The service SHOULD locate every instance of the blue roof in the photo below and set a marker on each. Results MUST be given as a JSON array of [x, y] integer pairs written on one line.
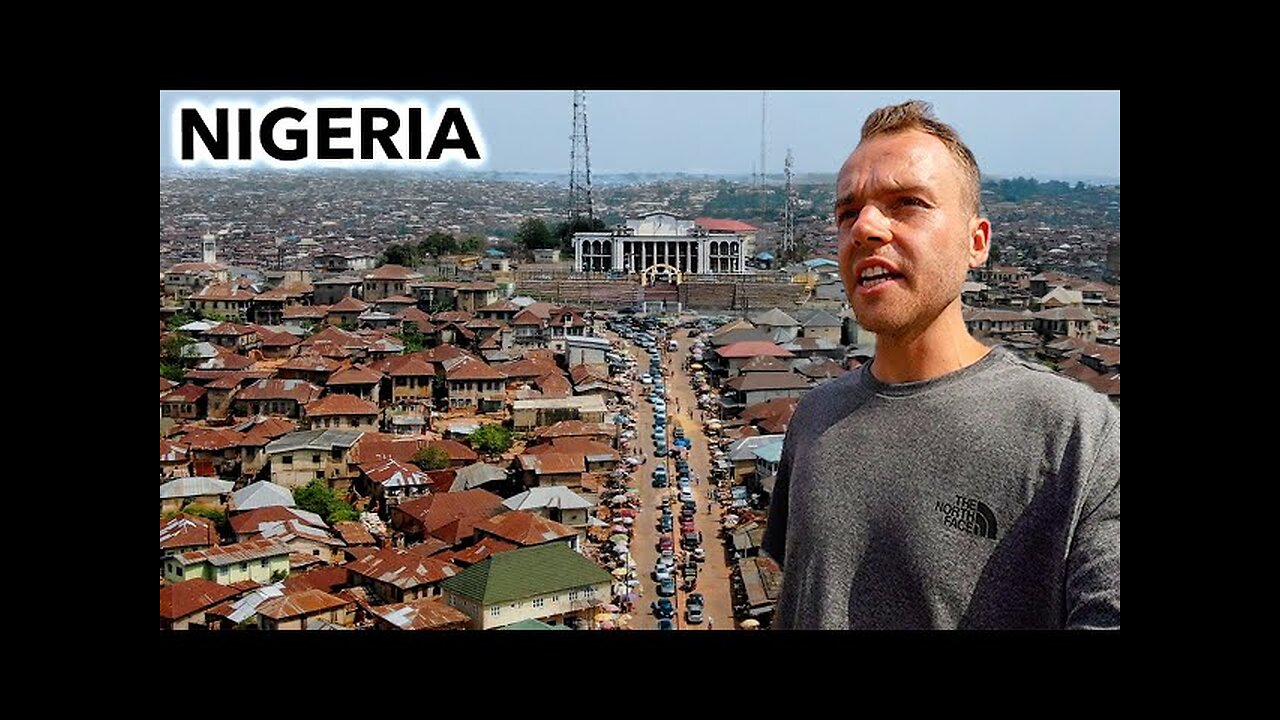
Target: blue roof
[[820, 261], [770, 453], [764, 256], [494, 252]]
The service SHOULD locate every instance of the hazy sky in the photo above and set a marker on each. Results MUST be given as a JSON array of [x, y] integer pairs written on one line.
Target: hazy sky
[[1049, 135]]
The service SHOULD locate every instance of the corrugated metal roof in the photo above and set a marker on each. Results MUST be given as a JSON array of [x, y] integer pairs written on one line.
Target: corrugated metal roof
[[260, 495], [231, 554], [554, 497], [195, 486], [526, 573], [315, 440]]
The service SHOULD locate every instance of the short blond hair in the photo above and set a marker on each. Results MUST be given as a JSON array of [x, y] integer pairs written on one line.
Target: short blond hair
[[918, 115]]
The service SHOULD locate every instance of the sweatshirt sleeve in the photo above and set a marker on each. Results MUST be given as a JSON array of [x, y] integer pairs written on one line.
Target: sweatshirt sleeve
[[1093, 560], [774, 543]]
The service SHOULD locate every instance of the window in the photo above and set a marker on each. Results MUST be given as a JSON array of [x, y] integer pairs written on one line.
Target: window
[[336, 454], [315, 552], [315, 458], [319, 474], [262, 562], [288, 459], [539, 602], [493, 611]]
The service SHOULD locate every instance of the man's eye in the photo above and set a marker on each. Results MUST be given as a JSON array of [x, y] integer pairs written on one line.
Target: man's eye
[[848, 216], [908, 200]]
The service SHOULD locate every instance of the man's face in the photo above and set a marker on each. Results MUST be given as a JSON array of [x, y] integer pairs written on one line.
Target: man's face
[[907, 232]]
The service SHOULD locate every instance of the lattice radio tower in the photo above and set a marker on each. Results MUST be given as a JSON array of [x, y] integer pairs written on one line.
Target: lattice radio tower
[[789, 216], [580, 161]]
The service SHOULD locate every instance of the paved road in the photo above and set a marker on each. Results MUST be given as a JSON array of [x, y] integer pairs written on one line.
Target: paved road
[[713, 577]]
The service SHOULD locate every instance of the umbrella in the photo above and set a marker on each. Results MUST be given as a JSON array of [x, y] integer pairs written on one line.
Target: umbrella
[[630, 597], [620, 528], [633, 583], [695, 366], [606, 625], [627, 520], [618, 538], [610, 608], [749, 624], [620, 549], [620, 572], [627, 512], [624, 619]]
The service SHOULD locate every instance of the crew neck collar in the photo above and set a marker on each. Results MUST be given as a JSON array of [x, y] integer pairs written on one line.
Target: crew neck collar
[[914, 387]]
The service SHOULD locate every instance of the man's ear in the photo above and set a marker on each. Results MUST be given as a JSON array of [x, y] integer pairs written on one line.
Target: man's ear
[[979, 241]]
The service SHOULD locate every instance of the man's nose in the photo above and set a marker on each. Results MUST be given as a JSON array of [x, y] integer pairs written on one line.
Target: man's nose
[[871, 226]]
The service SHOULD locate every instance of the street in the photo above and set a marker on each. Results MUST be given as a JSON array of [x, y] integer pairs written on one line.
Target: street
[[713, 575]]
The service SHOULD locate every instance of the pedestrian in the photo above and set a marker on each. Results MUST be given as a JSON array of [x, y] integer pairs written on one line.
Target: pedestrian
[[710, 623]]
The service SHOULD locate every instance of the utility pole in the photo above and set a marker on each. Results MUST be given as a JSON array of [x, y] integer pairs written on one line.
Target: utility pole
[[788, 217], [579, 162]]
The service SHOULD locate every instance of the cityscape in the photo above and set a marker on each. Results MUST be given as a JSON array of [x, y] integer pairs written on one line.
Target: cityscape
[[406, 401]]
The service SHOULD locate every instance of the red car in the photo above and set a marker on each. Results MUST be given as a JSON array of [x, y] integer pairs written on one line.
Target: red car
[[666, 543]]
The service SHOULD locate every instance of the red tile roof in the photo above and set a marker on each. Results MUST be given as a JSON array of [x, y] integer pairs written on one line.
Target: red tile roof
[[189, 596], [456, 450], [402, 568], [471, 369], [166, 384], [406, 366], [185, 530], [574, 446], [341, 405], [217, 439], [772, 416], [248, 523], [271, 427], [305, 312], [393, 272], [277, 389], [752, 348], [435, 512], [355, 375], [306, 602], [527, 317], [329, 579], [311, 363], [196, 267], [487, 546], [553, 463], [762, 363], [719, 225], [421, 614], [240, 552], [461, 317], [223, 291], [349, 304], [228, 329], [186, 394], [768, 381], [554, 385], [528, 368], [374, 446], [525, 528]]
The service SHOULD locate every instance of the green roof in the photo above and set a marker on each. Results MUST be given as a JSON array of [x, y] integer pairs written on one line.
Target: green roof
[[533, 625], [525, 573]]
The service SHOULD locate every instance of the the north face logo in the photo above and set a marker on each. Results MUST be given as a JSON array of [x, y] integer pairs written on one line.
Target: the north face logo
[[969, 515]]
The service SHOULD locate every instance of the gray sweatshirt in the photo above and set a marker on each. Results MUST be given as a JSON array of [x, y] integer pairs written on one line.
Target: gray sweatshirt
[[985, 498]]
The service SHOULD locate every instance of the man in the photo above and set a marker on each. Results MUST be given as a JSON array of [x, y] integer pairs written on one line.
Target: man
[[943, 484]]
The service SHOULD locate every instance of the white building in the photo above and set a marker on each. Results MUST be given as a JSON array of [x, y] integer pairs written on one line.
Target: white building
[[659, 238]]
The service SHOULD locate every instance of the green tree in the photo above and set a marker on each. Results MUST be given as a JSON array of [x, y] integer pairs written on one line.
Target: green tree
[[534, 235], [179, 319], [412, 338], [491, 439], [171, 360], [398, 255], [430, 457], [437, 244], [564, 231], [316, 497], [473, 244]]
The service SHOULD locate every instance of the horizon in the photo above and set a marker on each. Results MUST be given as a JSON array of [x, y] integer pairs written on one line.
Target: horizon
[[1048, 135]]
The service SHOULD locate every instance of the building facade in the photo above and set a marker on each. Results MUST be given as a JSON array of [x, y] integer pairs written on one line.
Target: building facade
[[659, 239]]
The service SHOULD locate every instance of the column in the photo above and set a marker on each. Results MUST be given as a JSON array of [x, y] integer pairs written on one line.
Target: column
[[577, 254], [617, 253]]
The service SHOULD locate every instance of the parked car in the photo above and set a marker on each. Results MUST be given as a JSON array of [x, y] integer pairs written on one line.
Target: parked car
[[698, 554], [664, 523], [693, 614], [665, 624], [666, 542], [667, 588], [663, 608]]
